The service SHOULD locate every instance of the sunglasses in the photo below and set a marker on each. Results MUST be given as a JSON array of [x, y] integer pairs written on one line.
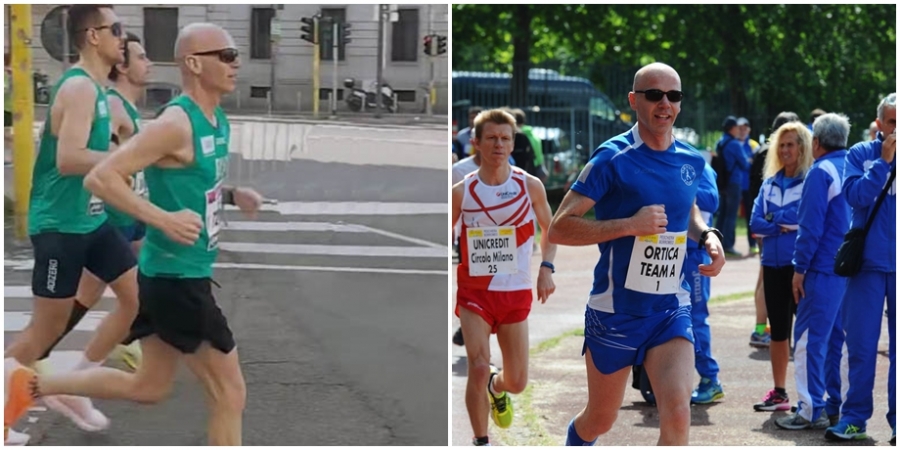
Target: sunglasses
[[114, 29], [655, 95], [226, 55]]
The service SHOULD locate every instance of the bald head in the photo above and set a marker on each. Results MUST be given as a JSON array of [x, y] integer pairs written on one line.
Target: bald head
[[652, 72], [201, 37]]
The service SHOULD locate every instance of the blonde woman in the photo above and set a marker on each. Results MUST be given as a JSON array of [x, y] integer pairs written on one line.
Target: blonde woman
[[774, 219]]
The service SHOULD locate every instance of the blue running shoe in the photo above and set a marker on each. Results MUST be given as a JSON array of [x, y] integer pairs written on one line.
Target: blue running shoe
[[761, 340], [707, 392], [845, 432]]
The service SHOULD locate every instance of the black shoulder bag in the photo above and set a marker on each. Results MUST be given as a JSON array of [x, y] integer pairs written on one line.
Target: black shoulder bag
[[849, 258]]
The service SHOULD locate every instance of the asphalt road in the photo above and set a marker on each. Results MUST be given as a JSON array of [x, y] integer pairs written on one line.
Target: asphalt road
[[337, 299]]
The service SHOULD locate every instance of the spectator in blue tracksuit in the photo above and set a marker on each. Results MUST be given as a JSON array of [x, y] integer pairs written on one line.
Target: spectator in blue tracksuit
[[738, 168], [824, 217], [774, 218], [866, 172], [709, 389]]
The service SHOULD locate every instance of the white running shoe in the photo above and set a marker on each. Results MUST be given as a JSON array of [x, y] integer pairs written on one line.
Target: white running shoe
[[79, 410], [13, 437]]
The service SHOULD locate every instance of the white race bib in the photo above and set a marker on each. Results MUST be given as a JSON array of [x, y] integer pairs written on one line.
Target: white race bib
[[139, 184], [213, 215], [656, 261], [95, 206], [492, 251]]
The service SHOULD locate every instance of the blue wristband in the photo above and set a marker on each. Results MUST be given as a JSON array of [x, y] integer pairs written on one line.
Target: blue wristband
[[548, 265]]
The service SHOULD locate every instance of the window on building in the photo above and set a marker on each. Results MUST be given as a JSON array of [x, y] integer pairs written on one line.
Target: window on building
[[325, 94], [259, 91], [326, 42], [261, 33], [406, 96], [405, 42], [160, 31]]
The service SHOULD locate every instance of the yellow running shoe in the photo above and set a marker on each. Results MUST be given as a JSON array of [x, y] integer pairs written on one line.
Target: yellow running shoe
[[501, 407], [130, 355]]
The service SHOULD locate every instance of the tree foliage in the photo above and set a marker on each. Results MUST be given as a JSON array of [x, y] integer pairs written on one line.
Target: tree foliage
[[776, 57]]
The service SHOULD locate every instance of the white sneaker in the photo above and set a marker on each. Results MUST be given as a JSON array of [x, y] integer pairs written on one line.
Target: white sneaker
[[13, 437], [79, 410]]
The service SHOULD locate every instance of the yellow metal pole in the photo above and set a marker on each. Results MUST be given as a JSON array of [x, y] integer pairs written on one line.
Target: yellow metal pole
[[23, 114], [316, 57]]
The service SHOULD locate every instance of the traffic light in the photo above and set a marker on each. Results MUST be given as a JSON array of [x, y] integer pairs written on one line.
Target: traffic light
[[428, 44], [344, 33], [308, 31], [442, 45]]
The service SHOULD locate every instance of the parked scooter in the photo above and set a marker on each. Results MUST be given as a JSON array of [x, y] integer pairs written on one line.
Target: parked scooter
[[365, 99]]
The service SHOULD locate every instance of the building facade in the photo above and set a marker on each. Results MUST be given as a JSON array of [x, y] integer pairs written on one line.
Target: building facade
[[276, 62]]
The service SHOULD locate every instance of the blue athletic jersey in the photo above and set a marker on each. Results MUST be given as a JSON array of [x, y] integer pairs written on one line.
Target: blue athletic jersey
[[779, 196], [865, 174], [708, 202], [823, 215], [622, 176]]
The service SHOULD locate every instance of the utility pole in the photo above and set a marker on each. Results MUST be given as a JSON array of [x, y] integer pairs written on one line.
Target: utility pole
[[309, 32], [334, 57], [429, 106], [274, 37], [23, 114], [382, 13]]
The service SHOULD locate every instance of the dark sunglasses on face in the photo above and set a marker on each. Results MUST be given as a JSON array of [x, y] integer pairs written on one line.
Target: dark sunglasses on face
[[114, 29], [655, 95], [226, 55]]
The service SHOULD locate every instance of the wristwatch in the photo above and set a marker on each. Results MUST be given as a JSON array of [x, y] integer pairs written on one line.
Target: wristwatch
[[706, 233], [548, 265]]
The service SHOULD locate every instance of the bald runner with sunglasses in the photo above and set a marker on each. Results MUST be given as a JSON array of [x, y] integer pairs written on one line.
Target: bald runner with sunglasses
[[642, 186], [184, 155], [67, 225]]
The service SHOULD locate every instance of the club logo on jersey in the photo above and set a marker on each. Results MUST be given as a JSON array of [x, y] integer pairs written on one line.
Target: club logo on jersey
[[688, 174], [208, 144], [102, 110], [506, 195]]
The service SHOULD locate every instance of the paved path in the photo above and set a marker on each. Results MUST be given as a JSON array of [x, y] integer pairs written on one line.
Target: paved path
[[557, 374]]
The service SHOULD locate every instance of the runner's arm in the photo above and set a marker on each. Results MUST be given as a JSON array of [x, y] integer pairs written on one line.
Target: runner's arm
[[696, 227], [569, 227], [167, 137], [544, 215], [76, 97], [120, 122], [456, 204]]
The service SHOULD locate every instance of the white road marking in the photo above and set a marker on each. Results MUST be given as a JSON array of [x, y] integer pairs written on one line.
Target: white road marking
[[401, 237], [334, 250], [324, 226], [15, 321], [353, 208], [330, 269], [295, 226]]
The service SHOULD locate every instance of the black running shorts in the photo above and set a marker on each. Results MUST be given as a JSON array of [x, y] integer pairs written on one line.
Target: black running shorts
[[182, 312], [60, 257], [780, 306]]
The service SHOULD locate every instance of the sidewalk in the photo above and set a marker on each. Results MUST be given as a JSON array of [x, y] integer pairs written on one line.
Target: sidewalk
[[557, 386]]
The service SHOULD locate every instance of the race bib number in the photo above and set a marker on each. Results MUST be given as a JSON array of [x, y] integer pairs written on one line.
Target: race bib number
[[656, 261], [492, 251], [139, 184], [95, 206], [213, 215]]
